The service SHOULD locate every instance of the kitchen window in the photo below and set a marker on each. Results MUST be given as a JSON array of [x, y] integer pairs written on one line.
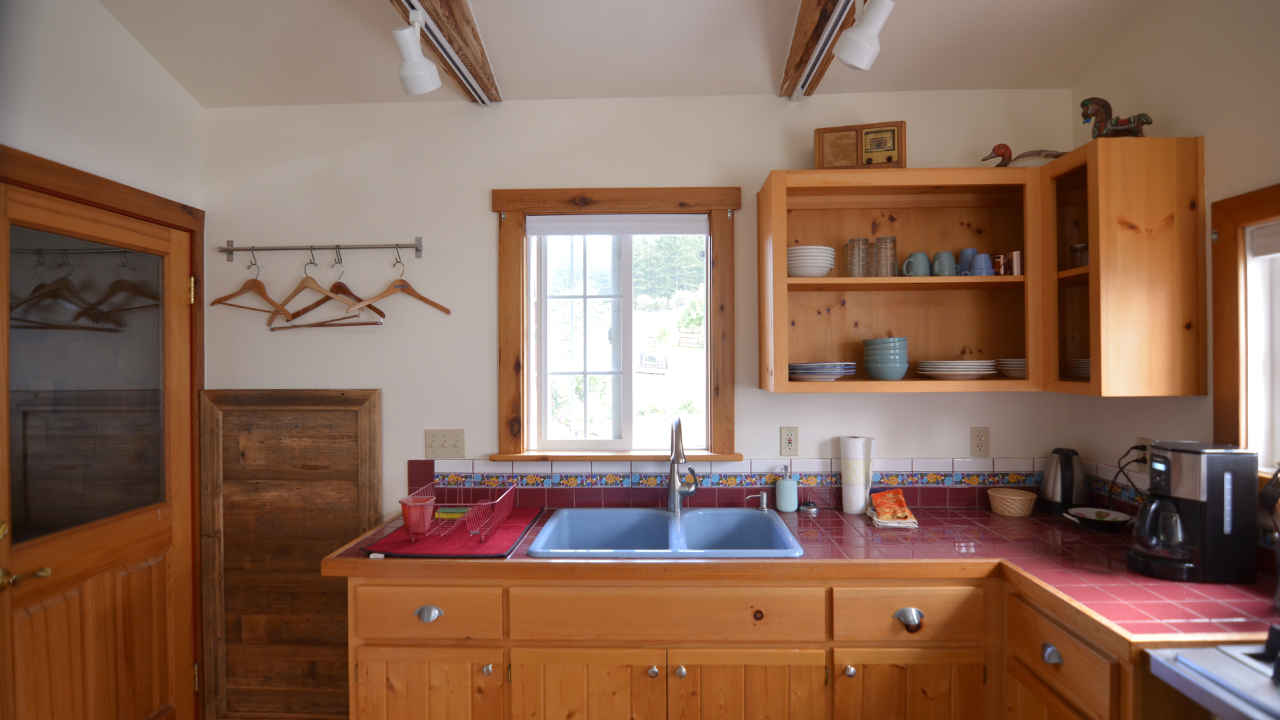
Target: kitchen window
[[615, 316], [1263, 316], [618, 307]]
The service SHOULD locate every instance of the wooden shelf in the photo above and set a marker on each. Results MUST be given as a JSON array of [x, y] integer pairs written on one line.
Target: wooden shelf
[[1079, 272], [902, 283], [908, 385]]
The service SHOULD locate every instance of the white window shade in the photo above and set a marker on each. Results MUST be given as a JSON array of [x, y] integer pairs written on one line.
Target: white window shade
[[1264, 240], [690, 224]]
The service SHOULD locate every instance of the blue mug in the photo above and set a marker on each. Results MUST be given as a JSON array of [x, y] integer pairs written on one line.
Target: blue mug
[[967, 255], [981, 266], [944, 264], [916, 265]]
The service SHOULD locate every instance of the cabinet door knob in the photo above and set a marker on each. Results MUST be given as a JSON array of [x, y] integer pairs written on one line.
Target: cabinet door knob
[[428, 613], [12, 580], [850, 671], [487, 669], [681, 672], [911, 618], [1050, 655], [653, 671]]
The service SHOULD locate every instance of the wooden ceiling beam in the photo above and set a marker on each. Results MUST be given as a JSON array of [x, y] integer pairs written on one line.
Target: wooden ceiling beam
[[457, 28], [810, 23]]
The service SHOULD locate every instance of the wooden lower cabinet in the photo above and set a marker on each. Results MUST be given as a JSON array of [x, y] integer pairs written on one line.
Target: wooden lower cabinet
[[588, 684], [742, 684], [424, 683], [909, 684], [1028, 698]]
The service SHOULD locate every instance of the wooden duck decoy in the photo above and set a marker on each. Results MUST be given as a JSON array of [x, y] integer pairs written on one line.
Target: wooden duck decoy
[[1030, 158], [1099, 111]]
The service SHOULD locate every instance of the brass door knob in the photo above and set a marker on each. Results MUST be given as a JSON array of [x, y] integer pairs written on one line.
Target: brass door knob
[[6, 579]]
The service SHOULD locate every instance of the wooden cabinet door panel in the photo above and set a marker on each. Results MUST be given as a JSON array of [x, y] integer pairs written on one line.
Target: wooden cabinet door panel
[[743, 684], [404, 683], [1091, 680], [1029, 698], [588, 684], [909, 684]]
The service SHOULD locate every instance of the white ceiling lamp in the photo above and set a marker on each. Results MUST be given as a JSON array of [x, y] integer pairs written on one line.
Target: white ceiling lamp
[[859, 45], [418, 74]]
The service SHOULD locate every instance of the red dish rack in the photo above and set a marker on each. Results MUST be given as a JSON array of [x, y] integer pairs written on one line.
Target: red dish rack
[[481, 518]]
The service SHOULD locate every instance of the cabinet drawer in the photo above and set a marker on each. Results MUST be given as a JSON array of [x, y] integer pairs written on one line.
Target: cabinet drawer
[[1085, 677], [660, 614], [950, 613], [391, 612]]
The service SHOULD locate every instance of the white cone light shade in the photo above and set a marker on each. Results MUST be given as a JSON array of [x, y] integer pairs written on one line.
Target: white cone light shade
[[859, 45], [418, 74]]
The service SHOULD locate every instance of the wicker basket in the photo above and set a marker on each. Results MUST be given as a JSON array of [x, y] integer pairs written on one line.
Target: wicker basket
[[1011, 503]]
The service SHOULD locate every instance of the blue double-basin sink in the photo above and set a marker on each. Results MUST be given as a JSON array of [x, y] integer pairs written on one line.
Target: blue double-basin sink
[[657, 534]]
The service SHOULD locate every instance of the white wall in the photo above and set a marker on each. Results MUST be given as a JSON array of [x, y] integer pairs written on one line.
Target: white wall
[[77, 88], [388, 173]]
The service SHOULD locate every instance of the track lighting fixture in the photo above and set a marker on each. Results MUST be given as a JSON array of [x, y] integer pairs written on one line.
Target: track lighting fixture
[[859, 45], [418, 74]]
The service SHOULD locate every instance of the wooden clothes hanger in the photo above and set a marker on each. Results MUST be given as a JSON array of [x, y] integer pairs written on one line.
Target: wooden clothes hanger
[[330, 323], [255, 286], [399, 285], [119, 286], [63, 291], [308, 283]]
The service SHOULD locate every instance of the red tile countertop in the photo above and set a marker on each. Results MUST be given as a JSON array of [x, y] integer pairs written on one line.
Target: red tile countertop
[[1084, 565]]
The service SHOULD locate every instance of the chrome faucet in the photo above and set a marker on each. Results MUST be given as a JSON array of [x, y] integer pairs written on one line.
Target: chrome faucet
[[677, 488]]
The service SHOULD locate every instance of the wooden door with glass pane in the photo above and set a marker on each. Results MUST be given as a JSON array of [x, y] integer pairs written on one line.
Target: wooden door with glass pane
[[95, 466]]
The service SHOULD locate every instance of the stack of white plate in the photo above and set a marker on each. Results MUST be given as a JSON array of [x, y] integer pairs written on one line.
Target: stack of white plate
[[810, 260], [1080, 368], [1013, 368], [820, 372], [956, 369]]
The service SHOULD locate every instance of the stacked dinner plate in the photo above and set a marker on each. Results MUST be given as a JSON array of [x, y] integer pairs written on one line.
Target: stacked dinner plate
[[1013, 368], [820, 372], [1080, 368], [956, 369], [810, 260]]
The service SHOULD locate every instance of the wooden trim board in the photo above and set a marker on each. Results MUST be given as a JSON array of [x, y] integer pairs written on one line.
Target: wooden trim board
[[592, 201]]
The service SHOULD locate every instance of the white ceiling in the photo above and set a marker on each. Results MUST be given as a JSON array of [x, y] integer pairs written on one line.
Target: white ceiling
[[231, 53]]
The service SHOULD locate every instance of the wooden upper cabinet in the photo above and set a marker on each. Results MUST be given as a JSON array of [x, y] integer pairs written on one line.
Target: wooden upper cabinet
[[1132, 320], [994, 210]]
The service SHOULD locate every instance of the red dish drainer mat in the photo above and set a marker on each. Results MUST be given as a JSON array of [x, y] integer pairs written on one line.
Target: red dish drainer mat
[[481, 518]]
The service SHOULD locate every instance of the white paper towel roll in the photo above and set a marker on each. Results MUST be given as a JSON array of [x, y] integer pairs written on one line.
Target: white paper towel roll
[[855, 472]]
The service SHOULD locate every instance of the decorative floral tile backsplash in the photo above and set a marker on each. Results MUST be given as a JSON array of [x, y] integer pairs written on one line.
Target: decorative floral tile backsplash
[[730, 480]]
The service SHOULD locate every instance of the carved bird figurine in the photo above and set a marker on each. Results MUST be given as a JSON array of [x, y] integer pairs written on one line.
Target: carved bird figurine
[[1030, 158]]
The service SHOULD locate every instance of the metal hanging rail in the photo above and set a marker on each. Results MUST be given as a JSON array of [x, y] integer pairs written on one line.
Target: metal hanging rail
[[231, 248]]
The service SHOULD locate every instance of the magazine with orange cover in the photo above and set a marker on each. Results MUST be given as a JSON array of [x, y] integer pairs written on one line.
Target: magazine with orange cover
[[890, 506]]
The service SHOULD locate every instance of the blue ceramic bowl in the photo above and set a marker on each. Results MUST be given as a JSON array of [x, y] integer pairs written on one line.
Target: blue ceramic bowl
[[877, 342], [886, 372]]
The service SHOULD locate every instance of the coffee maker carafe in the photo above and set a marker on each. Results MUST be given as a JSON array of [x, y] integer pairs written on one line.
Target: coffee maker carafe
[[1199, 521]]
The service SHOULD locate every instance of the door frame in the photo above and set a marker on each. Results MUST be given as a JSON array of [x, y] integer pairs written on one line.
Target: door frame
[[32, 172]]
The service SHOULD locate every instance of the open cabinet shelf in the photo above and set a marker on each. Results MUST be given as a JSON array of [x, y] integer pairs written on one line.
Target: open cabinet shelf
[[943, 318]]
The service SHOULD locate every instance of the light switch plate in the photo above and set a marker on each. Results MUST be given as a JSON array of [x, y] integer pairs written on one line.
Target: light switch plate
[[446, 444], [979, 442], [789, 441]]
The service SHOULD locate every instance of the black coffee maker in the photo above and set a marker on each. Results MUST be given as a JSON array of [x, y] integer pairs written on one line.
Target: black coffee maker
[[1199, 522]]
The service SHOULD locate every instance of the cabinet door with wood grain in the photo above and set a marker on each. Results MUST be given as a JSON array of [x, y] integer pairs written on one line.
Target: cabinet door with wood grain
[[742, 684], [910, 684], [588, 684], [416, 683], [1028, 698]]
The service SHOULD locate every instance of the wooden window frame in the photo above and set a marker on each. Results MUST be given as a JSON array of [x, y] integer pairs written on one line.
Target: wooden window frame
[[512, 206], [1231, 219]]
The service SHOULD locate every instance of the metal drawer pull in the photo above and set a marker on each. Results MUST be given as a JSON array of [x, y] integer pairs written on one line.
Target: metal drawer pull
[[428, 613], [850, 671], [487, 669], [653, 671], [911, 618], [1050, 655], [681, 672]]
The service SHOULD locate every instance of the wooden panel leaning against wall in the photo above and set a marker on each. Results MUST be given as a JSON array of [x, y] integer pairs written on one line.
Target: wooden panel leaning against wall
[[274, 501]]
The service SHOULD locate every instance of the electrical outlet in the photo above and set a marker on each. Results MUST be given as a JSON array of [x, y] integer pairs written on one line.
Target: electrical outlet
[[790, 441], [979, 442], [446, 444], [1146, 466]]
